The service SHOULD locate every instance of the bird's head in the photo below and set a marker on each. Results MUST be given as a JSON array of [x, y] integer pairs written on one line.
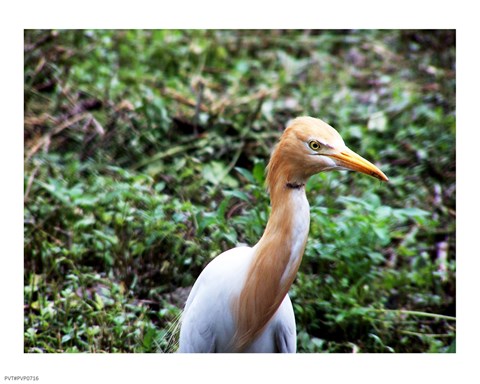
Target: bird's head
[[309, 146]]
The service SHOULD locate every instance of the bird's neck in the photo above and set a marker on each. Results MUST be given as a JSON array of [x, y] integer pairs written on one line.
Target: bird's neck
[[277, 257]]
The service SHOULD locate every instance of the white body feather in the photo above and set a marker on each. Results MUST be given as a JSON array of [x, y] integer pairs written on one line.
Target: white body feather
[[208, 324]]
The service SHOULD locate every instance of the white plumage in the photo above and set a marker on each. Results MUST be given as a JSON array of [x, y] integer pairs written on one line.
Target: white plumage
[[208, 324]]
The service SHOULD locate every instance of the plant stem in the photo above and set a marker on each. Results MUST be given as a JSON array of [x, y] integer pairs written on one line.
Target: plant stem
[[413, 313]]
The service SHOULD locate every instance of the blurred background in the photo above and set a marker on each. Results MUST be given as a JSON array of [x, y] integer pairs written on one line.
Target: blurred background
[[144, 159]]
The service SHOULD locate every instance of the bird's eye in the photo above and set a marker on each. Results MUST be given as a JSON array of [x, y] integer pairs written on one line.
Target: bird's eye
[[315, 145]]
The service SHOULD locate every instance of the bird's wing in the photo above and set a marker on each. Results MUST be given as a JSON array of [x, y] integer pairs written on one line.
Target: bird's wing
[[285, 332], [285, 339], [199, 339], [207, 321]]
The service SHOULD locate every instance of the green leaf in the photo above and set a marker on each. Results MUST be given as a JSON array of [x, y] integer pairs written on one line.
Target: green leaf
[[246, 174], [238, 194]]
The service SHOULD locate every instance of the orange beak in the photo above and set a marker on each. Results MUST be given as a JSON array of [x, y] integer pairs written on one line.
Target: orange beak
[[350, 160]]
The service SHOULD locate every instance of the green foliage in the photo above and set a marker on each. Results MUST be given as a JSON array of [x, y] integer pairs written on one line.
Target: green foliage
[[144, 159]]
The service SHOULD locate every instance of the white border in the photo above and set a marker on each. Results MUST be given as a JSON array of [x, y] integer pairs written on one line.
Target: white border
[[144, 368]]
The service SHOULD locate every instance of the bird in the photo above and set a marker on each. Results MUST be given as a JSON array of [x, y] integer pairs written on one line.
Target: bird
[[239, 302]]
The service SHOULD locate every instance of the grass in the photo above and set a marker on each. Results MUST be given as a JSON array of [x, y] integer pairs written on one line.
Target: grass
[[144, 159]]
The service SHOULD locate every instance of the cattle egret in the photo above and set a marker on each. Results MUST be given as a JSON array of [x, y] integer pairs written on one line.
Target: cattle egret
[[240, 301]]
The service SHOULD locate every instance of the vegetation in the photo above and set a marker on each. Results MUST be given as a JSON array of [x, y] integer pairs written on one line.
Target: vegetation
[[144, 159]]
